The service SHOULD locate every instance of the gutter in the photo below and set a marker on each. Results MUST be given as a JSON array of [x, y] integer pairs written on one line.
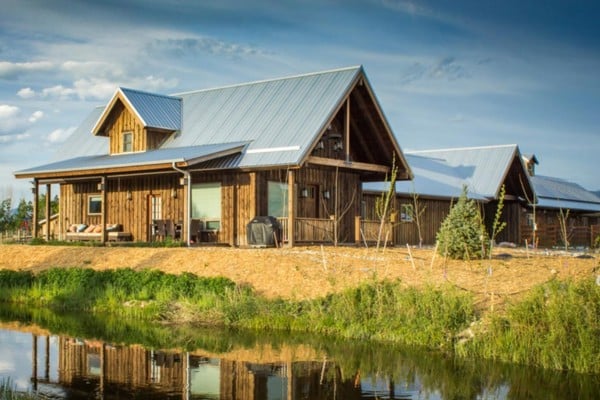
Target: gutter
[[188, 208]]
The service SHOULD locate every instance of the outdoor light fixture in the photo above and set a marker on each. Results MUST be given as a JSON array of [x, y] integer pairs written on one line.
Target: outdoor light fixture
[[320, 145], [129, 195], [101, 186], [338, 145], [173, 193], [182, 181], [304, 192], [326, 194]]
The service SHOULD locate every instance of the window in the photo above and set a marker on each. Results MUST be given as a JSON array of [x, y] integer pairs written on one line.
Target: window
[[94, 204], [127, 142], [406, 213], [278, 199], [206, 202]]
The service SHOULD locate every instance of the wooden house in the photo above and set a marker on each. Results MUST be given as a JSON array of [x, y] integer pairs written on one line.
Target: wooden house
[[201, 165], [421, 205], [564, 211]]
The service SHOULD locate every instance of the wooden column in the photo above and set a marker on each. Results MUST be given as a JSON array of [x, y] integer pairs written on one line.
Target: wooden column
[[347, 130], [48, 196], [104, 209], [34, 218], [34, 357], [291, 206]]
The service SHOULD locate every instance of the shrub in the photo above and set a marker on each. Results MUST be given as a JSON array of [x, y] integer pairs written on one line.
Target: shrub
[[462, 234]]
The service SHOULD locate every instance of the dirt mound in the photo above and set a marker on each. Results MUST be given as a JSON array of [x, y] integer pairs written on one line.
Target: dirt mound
[[308, 272]]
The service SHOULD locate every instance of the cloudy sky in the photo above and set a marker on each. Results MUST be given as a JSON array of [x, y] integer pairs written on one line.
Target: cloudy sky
[[447, 73]]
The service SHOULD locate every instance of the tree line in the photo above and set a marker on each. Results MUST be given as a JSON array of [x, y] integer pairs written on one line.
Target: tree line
[[12, 219]]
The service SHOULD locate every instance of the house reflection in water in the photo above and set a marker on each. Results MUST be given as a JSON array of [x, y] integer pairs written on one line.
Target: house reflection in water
[[109, 371]]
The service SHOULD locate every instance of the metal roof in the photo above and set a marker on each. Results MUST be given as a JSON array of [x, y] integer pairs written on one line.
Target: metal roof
[[279, 119], [155, 111], [191, 155], [559, 193], [443, 173]]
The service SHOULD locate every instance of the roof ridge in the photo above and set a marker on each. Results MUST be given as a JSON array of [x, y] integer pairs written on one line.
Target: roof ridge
[[461, 148], [172, 97], [356, 67]]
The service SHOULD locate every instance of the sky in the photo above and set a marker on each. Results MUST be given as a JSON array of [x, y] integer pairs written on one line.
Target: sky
[[446, 73]]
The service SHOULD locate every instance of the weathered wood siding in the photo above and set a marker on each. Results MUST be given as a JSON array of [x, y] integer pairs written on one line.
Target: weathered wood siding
[[133, 215], [347, 187], [580, 229], [122, 120]]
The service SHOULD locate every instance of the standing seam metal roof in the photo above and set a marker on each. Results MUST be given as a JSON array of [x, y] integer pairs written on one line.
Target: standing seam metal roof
[[156, 111], [442, 173]]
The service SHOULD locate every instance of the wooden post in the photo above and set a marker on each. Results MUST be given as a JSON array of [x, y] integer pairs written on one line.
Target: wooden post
[[347, 130], [291, 207], [34, 357], [48, 195], [34, 218], [357, 230], [104, 208]]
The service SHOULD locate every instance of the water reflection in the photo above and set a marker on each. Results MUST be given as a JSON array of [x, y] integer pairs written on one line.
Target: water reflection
[[210, 364]]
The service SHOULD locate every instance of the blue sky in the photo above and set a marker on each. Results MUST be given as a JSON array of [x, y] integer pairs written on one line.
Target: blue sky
[[447, 73]]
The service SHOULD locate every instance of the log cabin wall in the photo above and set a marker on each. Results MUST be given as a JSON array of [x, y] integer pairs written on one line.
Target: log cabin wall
[[134, 215]]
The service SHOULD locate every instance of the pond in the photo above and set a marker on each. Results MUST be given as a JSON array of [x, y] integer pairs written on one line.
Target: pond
[[82, 357]]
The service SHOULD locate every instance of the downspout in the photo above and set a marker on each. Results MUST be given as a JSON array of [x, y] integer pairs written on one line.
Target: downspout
[[188, 202]]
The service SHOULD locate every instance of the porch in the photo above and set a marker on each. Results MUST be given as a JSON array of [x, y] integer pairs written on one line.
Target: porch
[[320, 230]]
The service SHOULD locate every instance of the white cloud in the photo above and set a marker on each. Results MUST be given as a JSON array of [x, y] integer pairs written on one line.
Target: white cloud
[[11, 70], [60, 135], [14, 138], [7, 111], [26, 93], [58, 91], [36, 116]]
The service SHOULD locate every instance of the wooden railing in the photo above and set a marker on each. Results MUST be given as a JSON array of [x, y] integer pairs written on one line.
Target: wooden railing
[[551, 236], [368, 231], [312, 230]]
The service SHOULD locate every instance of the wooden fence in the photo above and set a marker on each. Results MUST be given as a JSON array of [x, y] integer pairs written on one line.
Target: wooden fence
[[550, 235]]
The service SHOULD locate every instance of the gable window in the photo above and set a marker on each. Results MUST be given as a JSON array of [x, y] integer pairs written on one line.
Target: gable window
[[94, 204], [277, 199], [206, 204], [406, 213], [127, 142]]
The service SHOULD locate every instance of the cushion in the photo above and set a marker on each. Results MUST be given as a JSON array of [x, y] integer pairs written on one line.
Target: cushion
[[72, 228], [90, 229], [112, 227], [81, 227], [98, 229]]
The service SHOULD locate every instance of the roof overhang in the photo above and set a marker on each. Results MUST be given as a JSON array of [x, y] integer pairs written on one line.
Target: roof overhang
[[154, 160]]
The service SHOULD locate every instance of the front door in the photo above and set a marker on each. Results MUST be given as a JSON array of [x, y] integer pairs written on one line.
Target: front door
[[154, 213]]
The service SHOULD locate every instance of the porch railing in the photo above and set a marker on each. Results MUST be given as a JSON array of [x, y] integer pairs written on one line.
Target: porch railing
[[313, 230]]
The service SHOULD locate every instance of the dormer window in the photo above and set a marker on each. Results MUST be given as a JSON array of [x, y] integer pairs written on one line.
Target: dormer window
[[127, 142]]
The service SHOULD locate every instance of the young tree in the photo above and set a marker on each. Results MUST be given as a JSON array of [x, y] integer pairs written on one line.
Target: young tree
[[498, 225], [383, 204], [563, 220], [462, 234], [5, 215], [22, 217]]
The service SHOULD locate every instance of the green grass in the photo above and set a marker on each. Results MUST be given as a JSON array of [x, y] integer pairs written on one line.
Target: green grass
[[557, 326]]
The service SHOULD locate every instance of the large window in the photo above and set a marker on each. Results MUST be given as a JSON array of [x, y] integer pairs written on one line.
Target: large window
[[94, 204], [206, 203], [278, 199], [127, 142]]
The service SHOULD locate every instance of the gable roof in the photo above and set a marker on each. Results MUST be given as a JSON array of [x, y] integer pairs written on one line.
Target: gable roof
[[280, 120], [443, 173], [153, 110], [561, 194]]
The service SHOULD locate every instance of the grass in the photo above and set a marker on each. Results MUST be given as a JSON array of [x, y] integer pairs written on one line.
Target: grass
[[556, 327], [9, 392]]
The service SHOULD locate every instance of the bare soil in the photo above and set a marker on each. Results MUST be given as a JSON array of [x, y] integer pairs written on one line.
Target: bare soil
[[310, 272]]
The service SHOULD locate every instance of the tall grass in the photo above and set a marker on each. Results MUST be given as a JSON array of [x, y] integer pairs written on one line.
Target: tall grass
[[557, 326]]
